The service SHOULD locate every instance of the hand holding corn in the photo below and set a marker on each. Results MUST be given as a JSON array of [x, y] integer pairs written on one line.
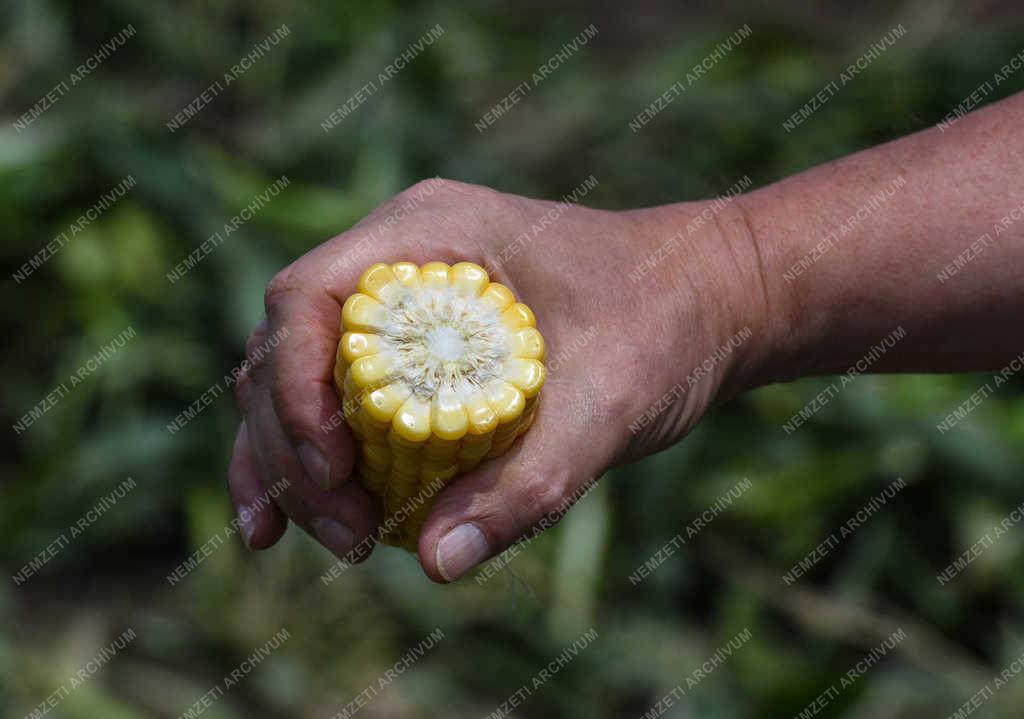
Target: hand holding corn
[[610, 350], [640, 314]]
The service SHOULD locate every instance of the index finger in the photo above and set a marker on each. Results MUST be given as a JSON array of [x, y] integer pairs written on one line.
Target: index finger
[[305, 320]]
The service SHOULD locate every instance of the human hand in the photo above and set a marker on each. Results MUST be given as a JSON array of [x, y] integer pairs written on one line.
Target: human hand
[[635, 308]]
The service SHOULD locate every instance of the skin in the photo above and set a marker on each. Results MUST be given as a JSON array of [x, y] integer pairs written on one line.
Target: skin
[[711, 272]]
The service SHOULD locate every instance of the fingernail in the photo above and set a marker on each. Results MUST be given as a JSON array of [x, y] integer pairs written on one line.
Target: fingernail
[[316, 465], [245, 519], [460, 550], [334, 535]]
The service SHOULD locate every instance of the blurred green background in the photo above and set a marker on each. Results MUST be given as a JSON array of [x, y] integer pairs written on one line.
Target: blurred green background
[[498, 635]]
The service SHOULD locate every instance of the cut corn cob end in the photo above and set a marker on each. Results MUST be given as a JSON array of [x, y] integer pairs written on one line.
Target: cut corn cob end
[[438, 369]]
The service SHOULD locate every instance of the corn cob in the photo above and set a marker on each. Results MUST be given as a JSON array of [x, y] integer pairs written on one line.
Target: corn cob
[[438, 369]]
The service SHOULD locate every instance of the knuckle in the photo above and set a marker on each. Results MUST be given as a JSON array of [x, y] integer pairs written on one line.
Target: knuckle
[[255, 352], [446, 191], [546, 496], [284, 405], [275, 288], [257, 338], [282, 283], [428, 186], [243, 390]]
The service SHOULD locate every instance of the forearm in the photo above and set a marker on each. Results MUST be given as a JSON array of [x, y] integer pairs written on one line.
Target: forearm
[[920, 239]]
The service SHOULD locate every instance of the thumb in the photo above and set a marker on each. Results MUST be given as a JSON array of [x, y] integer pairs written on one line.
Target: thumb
[[484, 512]]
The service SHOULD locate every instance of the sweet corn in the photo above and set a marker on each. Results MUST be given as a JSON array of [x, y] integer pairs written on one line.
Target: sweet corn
[[438, 369]]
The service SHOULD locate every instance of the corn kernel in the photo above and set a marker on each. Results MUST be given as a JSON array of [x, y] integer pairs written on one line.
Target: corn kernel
[[354, 345], [497, 296], [407, 273], [362, 313], [380, 283], [436, 275], [518, 316], [469, 279]]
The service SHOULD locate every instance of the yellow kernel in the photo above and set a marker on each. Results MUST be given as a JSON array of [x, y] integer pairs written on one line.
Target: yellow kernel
[[468, 278], [362, 313], [506, 401], [447, 417], [371, 371], [526, 374], [498, 296], [482, 417], [518, 316], [380, 282], [436, 275], [412, 421], [354, 345], [407, 273], [384, 402], [527, 343]]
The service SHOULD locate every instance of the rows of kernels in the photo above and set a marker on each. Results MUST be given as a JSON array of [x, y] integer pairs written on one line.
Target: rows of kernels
[[411, 446]]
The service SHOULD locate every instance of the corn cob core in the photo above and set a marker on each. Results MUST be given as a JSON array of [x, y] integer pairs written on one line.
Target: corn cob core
[[438, 369]]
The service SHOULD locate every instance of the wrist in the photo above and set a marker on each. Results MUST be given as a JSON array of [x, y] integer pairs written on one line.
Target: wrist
[[720, 260], [770, 228], [821, 325]]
